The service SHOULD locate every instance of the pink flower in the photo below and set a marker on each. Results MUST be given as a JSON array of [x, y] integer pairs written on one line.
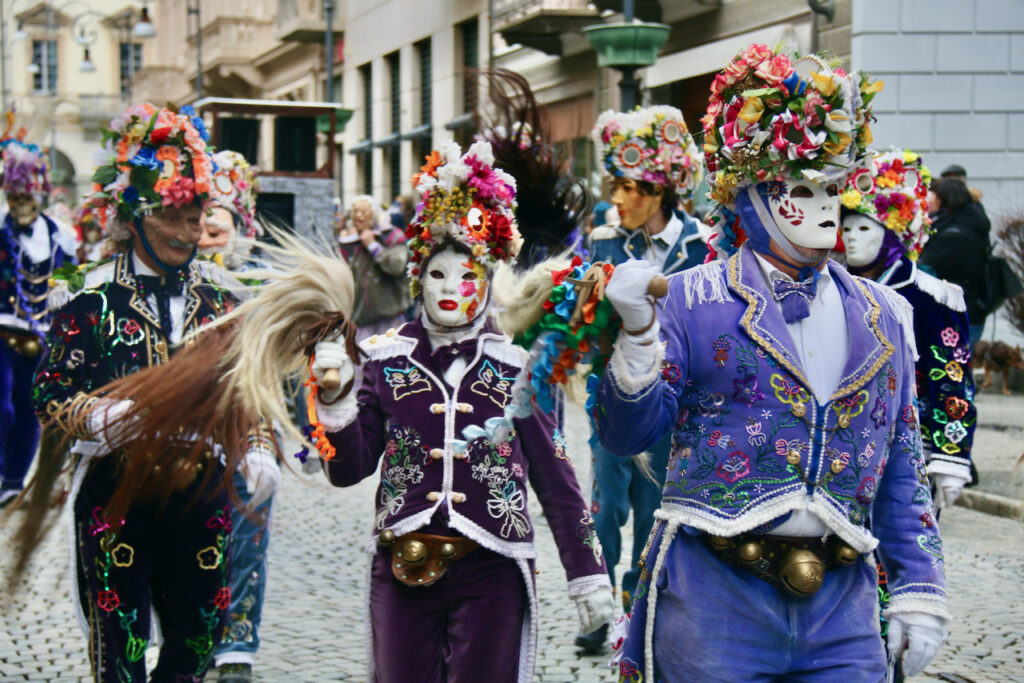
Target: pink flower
[[811, 104], [792, 139], [735, 72], [774, 70], [179, 192], [757, 53], [736, 466], [950, 337], [718, 86]]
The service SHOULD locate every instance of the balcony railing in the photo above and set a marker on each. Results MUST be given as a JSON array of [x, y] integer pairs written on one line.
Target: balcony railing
[[539, 24], [302, 21]]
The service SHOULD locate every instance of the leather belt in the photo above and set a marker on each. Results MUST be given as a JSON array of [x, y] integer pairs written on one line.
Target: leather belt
[[795, 565], [421, 559]]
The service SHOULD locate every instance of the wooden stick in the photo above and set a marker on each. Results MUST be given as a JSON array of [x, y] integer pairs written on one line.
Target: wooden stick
[[658, 286]]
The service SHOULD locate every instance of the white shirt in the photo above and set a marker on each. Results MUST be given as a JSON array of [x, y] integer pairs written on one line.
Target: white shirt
[[177, 303], [822, 342], [663, 243]]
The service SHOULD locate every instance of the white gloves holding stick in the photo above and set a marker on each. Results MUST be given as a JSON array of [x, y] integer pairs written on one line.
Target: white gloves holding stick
[[596, 608], [916, 637], [947, 489]]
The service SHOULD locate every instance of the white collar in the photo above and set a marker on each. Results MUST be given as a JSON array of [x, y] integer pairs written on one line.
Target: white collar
[[140, 266], [672, 232]]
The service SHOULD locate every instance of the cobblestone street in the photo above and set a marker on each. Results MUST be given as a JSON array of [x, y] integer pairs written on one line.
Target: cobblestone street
[[313, 620]]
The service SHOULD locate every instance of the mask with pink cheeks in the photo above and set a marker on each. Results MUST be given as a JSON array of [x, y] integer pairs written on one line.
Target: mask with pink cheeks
[[455, 289]]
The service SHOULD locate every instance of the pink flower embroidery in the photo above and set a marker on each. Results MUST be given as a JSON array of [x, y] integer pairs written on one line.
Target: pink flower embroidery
[[736, 466], [950, 337]]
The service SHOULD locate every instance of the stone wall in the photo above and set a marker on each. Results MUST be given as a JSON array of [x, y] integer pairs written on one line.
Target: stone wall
[[314, 211]]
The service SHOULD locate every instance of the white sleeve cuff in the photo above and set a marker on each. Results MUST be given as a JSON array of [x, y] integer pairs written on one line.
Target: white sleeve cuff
[[952, 469], [635, 366], [925, 603], [337, 416], [584, 585]]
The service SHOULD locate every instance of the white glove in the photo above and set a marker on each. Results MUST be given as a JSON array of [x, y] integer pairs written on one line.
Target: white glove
[[917, 637], [627, 290], [332, 355], [107, 423], [596, 608], [262, 475], [947, 489]]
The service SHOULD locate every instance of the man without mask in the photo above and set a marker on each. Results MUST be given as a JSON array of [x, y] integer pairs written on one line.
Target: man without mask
[[425, 386], [788, 386]]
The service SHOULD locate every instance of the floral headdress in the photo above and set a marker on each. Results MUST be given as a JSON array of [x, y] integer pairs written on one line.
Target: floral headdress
[[234, 179], [896, 196], [153, 158], [652, 145], [465, 199], [770, 117], [24, 169]]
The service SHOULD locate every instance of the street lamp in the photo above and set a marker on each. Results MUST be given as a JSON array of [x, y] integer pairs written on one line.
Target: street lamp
[[144, 29]]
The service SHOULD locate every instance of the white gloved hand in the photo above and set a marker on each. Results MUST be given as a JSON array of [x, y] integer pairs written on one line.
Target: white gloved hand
[[627, 291], [262, 475], [332, 355], [107, 423], [596, 608], [947, 489], [917, 637]]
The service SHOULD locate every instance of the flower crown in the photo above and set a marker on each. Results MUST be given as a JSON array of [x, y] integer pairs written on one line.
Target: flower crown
[[153, 158], [463, 199], [652, 145], [896, 196], [24, 169], [770, 117], [234, 180]]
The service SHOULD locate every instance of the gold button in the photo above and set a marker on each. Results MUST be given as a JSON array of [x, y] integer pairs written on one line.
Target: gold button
[[390, 332], [838, 466], [433, 496], [799, 409], [679, 254], [749, 552], [437, 408], [844, 420], [630, 247], [793, 456], [373, 339], [458, 497], [436, 453], [460, 456], [465, 408], [386, 537]]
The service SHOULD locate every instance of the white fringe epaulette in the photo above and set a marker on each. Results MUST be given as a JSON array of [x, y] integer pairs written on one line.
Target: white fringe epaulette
[[605, 232], [893, 303], [703, 284], [945, 292], [223, 278], [60, 295], [506, 352], [387, 345]]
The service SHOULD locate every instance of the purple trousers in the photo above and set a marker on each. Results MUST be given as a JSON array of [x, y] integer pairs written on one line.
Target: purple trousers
[[466, 627]]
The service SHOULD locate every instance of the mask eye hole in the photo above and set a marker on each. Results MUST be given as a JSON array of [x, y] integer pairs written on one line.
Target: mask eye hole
[[468, 276], [865, 228], [436, 274], [832, 190], [801, 192]]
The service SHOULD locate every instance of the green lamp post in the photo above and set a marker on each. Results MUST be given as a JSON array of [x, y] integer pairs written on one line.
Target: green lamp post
[[627, 47]]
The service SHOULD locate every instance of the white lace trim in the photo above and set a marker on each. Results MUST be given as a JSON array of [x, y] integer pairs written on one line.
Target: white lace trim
[[336, 417], [960, 470], [926, 603], [652, 596], [899, 308], [528, 640], [524, 550], [619, 368], [583, 585], [946, 293]]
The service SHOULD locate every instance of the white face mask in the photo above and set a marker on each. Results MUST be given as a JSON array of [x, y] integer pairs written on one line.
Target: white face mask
[[807, 213], [863, 237], [454, 289]]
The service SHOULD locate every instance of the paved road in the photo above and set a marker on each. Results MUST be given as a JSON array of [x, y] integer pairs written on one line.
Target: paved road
[[314, 631]]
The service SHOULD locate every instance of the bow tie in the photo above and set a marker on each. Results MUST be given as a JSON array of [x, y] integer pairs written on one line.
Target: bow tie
[[795, 297], [20, 229], [168, 286], [443, 356]]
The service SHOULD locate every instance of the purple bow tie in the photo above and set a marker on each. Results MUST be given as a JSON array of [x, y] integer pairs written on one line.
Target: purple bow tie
[[443, 356], [795, 297]]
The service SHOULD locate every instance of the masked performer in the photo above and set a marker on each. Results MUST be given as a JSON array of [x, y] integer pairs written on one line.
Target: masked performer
[[133, 551], [788, 387], [32, 246], [451, 585], [885, 225], [654, 165]]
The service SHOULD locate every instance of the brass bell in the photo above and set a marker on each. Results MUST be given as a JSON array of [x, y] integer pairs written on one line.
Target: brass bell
[[838, 466], [750, 552], [447, 551], [720, 542], [847, 555], [844, 421], [799, 409], [386, 537], [413, 552], [802, 573], [12, 342], [793, 456], [30, 348]]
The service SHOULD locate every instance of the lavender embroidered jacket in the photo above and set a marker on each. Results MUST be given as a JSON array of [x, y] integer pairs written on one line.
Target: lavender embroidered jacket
[[945, 385], [409, 417], [750, 442]]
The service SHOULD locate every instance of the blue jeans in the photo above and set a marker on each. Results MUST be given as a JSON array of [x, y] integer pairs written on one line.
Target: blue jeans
[[19, 428], [249, 543], [618, 486]]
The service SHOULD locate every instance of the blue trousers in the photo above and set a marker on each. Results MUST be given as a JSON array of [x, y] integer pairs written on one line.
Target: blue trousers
[[19, 429], [249, 542], [618, 486], [717, 622]]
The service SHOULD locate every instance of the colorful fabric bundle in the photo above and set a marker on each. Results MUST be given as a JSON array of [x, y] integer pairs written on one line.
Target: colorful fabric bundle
[[234, 180], [770, 117]]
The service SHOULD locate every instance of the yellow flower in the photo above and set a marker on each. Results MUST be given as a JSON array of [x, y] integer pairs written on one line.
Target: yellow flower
[[873, 87], [752, 109], [838, 147], [618, 139], [909, 157], [710, 144], [894, 222], [851, 198], [218, 258], [824, 83], [866, 137]]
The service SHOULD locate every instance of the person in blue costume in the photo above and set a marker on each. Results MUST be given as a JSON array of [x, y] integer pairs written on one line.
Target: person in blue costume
[[32, 246], [788, 388], [654, 166]]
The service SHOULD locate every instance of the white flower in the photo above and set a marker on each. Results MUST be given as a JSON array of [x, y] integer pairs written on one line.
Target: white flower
[[482, 151]]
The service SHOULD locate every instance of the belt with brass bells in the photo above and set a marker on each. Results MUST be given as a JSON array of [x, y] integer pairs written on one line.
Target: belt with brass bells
[[26, 345], [795, 565], [421, 559]]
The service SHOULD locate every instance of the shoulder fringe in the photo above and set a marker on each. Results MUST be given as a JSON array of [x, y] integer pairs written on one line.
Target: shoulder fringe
[[604, 232], [703, 284], [899, 308], [506, 352], [60, 295], [946, 293], [381, 346]]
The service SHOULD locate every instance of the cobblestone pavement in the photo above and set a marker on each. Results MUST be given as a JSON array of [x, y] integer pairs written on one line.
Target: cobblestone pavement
[[313, 619]]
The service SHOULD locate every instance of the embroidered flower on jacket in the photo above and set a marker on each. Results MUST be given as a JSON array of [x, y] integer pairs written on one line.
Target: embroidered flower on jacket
[[879, 413], [955, 431], [950, 337], [866, 491], [755, 437], [108, 600], [209, 558], [956, 407], [735, 467], [746, 390], [954, 371]]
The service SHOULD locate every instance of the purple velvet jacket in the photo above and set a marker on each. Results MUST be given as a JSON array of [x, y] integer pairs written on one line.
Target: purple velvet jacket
[[750, 441], [410, 417]]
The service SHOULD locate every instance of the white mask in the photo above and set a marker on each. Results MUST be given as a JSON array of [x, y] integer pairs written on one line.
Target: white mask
[[807, 213], [863, 237], [454, 289]]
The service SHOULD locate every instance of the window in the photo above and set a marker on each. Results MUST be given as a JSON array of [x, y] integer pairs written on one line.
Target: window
[[395, 150], [365, 160], [44, 56], [131, 61], [470, 32], [426, 78], [336, 91]]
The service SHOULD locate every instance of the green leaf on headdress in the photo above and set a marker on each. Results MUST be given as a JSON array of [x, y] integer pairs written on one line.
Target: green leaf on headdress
[[759, 92], [104, 175]]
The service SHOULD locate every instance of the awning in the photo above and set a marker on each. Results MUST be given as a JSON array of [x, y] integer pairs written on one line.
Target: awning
[[712, 57], [424, 132], [462, 121], [363, 147], [393, 140]]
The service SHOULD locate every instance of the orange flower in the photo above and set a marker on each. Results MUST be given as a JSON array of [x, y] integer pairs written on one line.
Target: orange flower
[[433, 161]]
